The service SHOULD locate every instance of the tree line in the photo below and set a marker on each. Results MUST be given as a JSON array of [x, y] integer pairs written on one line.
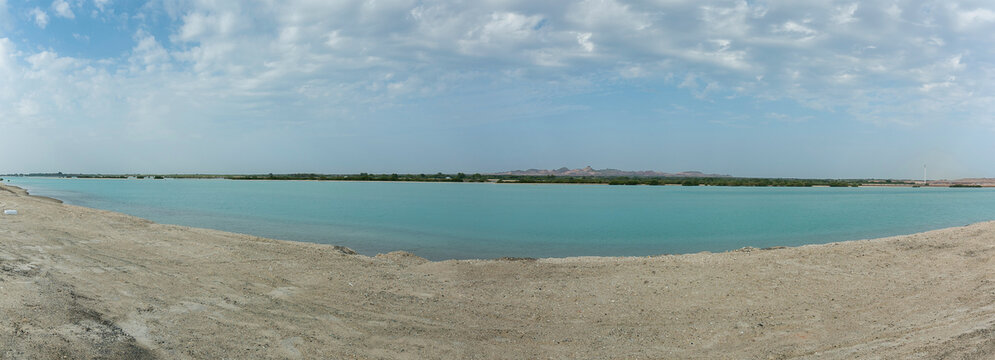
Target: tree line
[[525, 179]]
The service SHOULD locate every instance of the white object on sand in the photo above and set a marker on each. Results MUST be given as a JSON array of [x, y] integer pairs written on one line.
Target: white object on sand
[[10, 212]]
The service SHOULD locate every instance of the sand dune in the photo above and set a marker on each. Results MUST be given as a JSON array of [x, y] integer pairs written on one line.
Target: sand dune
[[81, 283]]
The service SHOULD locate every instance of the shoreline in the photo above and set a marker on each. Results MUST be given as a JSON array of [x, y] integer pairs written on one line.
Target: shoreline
[[939, 184], [83, 283], [17, 190]]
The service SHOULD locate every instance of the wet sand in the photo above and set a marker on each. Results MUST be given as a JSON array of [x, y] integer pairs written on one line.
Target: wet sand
[[84, 283]]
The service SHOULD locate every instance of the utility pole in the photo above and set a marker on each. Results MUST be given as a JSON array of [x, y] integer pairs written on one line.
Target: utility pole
[[924, 175]]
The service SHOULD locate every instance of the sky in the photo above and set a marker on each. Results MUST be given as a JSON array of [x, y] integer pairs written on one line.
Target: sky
[[818, 89]]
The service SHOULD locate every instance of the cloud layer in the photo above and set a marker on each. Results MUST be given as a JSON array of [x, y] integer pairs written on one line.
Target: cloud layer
[[199, 69]]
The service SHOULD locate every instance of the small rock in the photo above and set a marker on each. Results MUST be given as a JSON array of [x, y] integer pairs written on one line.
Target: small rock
[[344, 250]]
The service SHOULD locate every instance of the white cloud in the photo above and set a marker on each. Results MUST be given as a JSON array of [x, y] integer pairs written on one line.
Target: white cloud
[[101, 4], [234, 72], [634, 71], [7, 59], [311, 58], [794, 27], [63, 9], [930, 86], [844, 14], [894, 11], [796, 33], [500, 31], [148, 55], [198, 25], [601, 14], [334, 39], [584, 40], [40, 17], [717, 52], [690, 82], [975, 17], [27, 108], [787, 118], [843, 77]]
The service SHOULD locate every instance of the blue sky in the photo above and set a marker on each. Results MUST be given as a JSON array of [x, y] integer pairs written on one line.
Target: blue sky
[[834, 89]]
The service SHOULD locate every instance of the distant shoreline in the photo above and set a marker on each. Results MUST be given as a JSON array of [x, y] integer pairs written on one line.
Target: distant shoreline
[[551, 180]]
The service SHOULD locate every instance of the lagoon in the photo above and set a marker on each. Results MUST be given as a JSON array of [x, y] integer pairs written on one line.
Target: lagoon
[[482, 220]]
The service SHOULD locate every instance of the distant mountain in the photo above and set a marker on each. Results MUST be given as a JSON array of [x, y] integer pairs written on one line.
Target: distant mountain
[[588, 171]]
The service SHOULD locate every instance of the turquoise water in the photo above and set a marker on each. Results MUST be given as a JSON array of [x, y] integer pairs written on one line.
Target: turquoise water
[[474, 220]]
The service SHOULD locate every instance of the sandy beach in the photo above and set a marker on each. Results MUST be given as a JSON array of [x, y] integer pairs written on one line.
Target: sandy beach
[[84, 283]]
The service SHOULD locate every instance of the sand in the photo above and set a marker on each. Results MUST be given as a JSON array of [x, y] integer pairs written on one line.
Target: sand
[[85, 283]]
